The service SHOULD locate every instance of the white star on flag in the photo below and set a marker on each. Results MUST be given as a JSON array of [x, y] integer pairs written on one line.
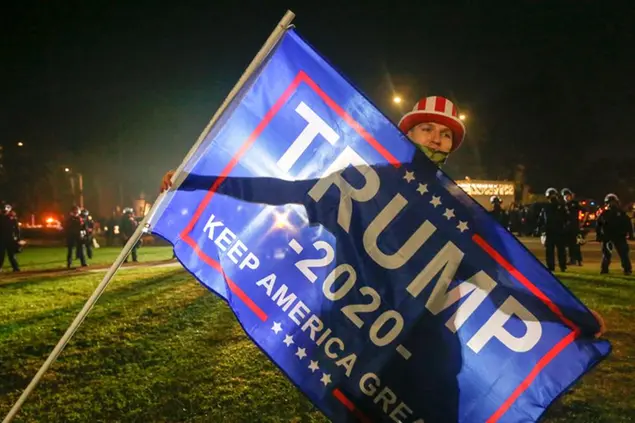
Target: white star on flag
[[301, 353], [409, 176], [449, 213], [423, 188], [276, 327], [462, 226], [436, 201], [326, 379], [314, 366], [288, 340]]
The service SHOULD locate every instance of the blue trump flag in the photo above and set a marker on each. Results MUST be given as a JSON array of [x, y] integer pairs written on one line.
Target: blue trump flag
[[379, 287]]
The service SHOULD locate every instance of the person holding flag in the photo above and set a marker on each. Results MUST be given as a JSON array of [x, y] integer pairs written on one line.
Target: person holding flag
[[361, 315]]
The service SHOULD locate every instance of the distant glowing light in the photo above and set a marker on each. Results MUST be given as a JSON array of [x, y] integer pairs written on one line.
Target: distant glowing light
[[20, 144], [462, 116], [397, 100], [50, 220], [66, 169]]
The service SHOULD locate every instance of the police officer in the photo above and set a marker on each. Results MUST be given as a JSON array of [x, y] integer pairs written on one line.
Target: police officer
[[613, 226], [74, 228], [112, 228], [552, 221], [497, 211], [515, 219], [572, 227], [9, 236], [89, 229], [128, 227]]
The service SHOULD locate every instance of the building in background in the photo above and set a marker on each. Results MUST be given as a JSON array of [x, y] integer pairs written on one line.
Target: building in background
[[141, 206], [482, 191]]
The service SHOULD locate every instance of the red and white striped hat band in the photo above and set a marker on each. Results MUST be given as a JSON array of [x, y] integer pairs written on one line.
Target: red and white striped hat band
[[437, 104], [438, 110]]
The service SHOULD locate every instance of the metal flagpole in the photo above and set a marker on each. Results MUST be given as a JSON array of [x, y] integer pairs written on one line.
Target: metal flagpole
[[273, 39]]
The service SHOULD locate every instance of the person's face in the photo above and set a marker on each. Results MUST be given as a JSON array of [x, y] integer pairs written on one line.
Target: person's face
[[435, 136]]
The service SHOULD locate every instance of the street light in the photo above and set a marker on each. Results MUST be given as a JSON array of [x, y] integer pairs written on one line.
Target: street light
[[396, 99], [462, 116], [20, 144]]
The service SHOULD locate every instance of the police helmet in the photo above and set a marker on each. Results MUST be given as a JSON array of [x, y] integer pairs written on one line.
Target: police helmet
[[495, 199], [610, 197], [551, 191], [128, 210], [566, 191]]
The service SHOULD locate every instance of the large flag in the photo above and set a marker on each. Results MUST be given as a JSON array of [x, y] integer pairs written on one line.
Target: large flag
[[381, 289]]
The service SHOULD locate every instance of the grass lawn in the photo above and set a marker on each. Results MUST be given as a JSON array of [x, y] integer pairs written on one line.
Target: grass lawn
[[159, 347], [37, 258]]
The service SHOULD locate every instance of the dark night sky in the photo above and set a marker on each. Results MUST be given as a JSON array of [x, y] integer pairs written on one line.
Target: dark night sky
[[545, 83]]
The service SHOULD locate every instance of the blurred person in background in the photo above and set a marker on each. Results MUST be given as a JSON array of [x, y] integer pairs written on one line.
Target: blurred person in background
[[89, 232], [552, 221], [74, 229], [613, 227], [9, 236], [127, 228], [497, 211], [572, 227]]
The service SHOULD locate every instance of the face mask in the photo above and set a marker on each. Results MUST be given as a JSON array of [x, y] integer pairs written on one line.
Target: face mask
[[438, 157]]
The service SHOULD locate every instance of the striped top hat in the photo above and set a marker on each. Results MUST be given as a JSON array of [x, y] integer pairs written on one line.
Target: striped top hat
[[438, 110]]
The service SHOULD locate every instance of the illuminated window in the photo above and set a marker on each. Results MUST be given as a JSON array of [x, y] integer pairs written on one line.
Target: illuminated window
[[487, 188]]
